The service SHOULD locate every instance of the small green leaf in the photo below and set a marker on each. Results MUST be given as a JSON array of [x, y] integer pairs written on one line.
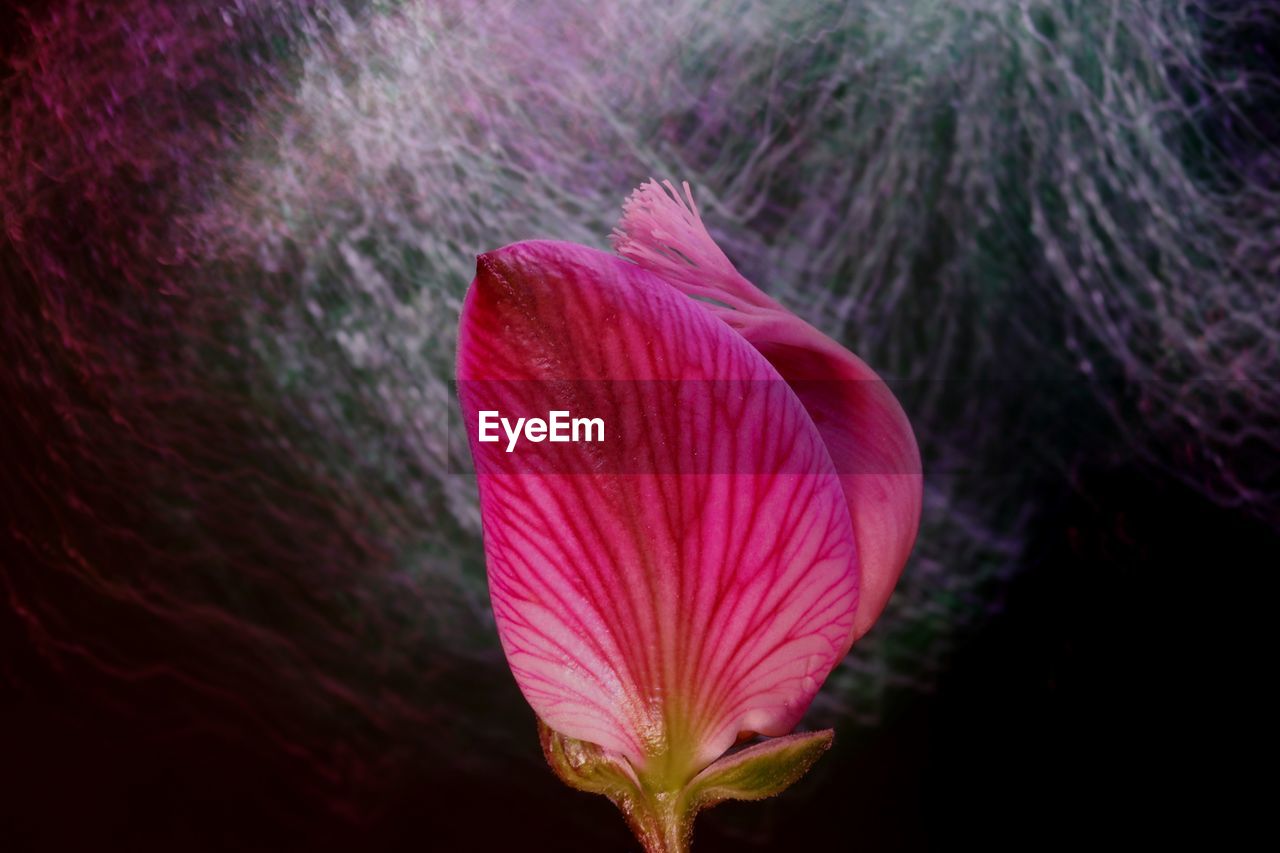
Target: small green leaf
[[758, 771], [587, 767]]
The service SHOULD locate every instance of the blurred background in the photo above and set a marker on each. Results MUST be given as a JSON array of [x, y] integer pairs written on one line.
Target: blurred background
[[242, 594]]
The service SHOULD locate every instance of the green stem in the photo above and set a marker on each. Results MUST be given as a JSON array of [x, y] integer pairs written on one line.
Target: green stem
[[663, 823]]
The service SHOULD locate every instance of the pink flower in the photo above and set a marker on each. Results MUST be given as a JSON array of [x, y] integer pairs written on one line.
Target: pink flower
[[690, 578]]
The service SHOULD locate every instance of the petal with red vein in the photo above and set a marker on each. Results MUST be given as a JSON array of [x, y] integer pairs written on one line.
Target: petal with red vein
[[866, 431], [691, 578]]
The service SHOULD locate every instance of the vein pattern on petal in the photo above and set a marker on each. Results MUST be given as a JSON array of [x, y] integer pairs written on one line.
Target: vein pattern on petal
[[661, 604], [866, 431]]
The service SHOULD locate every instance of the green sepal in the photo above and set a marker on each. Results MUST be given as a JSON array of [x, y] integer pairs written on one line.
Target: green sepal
[[760, 771], [663, 820], [587, 767]]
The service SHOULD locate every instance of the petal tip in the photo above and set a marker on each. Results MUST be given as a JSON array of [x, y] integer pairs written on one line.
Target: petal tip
[[485, 268]]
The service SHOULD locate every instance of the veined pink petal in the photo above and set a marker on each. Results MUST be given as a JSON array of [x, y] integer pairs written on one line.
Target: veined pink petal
[[866, 431], [700, 578]]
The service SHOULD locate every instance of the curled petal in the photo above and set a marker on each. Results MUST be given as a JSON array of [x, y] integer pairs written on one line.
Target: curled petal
[[866, 432], [692, 577]]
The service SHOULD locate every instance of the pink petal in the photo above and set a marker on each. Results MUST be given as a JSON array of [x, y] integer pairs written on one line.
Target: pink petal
[[700, 579], [864, 427]]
